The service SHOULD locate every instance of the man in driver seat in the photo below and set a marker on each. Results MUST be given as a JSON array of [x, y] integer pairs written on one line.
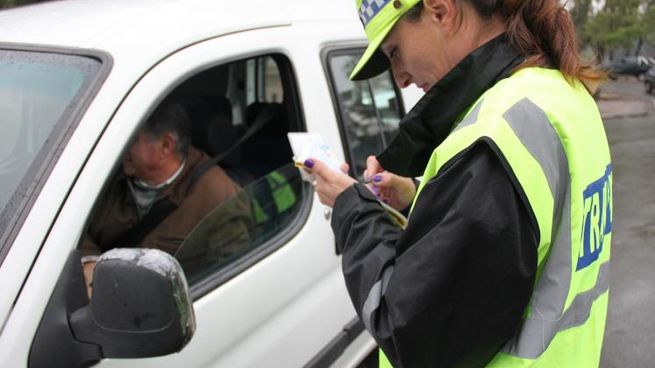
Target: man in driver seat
[[160, 198]]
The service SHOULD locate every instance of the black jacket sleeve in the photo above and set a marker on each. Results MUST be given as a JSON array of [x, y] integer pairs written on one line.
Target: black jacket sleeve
[[452, 288]]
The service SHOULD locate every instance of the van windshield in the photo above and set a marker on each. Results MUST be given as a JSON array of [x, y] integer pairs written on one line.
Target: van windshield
[[39, 93]]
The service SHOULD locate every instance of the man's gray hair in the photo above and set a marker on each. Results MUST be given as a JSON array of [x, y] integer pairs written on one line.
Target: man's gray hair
[[170, 117]]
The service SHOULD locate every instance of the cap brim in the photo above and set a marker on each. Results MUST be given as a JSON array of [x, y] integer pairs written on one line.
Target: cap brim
[[374, 61], [376, 65]]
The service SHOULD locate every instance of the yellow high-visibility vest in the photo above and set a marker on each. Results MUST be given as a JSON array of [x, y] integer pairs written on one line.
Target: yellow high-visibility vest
[[552, 138]]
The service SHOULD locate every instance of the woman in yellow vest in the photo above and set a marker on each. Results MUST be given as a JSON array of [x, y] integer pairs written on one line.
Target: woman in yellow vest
[[505, 258]]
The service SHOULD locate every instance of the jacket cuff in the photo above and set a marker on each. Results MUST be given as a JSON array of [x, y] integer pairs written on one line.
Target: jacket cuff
[[351, 197], [88, 248], [87, 259], [347, 206]]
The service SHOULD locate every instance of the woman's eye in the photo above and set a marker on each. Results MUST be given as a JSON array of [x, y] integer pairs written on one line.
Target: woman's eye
[[394, 53]]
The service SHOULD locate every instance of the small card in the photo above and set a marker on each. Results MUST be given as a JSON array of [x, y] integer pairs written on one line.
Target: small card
[[311, 145]]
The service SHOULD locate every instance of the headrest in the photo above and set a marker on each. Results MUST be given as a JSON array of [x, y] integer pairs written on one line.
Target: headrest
[[213, 131], [221, 135], [277, 125]]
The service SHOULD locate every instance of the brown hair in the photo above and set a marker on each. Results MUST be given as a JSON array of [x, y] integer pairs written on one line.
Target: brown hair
[[542, 30]]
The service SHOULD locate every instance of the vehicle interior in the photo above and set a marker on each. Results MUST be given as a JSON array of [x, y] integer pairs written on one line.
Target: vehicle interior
[[224, 102], [240, 114]]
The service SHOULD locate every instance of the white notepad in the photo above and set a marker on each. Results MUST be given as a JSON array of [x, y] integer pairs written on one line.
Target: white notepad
[[311, 145]]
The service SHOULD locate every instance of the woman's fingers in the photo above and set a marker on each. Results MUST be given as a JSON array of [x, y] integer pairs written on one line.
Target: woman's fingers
[[344, 168], [397, 191], [389, 180], [329, 183], [384, 180], [314, 166], [372, 167]]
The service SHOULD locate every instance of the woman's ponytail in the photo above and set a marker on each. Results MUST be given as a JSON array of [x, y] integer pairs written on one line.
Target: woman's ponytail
[[543, 31]]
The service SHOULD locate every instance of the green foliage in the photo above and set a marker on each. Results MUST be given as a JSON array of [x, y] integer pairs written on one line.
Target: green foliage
[[580, 14], [620, 24], [648, 21]]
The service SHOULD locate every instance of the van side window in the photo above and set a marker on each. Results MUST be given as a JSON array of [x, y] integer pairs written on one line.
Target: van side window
[[369, 111], [42, 97], [239, 116]]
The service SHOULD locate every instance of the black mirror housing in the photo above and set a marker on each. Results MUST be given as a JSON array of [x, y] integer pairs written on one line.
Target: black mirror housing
[[140, 305]]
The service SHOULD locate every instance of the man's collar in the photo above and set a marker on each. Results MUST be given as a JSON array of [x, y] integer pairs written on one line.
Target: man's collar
[[142, 184], [432, 119], [176, 191], [180, 187]]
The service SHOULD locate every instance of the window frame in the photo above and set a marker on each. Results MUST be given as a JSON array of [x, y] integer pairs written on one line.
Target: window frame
[[293, 105], [19, 206], [327, 53], [293, 108]]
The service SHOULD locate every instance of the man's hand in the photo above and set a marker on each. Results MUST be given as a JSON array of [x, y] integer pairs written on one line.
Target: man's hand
[[88, 268]]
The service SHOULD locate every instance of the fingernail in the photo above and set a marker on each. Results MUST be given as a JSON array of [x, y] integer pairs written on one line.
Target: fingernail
[[309, 163], [377, 178]]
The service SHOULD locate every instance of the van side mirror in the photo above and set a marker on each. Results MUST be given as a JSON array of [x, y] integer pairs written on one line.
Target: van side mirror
[[140, 306]]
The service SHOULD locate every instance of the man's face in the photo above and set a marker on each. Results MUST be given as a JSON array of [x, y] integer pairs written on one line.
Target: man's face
[[143, 158]]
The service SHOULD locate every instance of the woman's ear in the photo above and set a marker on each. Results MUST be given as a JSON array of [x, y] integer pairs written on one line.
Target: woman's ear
[[442, 12]]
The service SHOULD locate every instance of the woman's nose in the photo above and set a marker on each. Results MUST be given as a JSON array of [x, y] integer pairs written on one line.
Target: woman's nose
[[401, 77]]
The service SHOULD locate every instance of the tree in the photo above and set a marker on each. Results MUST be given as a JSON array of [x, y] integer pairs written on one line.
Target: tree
[[648, 21], [580, 13], [616, 25]]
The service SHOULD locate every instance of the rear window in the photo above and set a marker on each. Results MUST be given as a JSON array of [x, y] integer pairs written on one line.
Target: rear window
[[369, 111], [40, 96]]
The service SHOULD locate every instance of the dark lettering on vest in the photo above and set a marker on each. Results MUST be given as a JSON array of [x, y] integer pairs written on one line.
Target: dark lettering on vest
[[597, 220]]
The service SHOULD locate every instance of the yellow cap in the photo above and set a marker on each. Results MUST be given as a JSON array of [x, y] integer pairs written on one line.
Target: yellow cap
[[378, 18]]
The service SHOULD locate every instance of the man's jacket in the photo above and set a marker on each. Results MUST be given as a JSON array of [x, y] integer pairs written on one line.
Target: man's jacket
[[116, 212]]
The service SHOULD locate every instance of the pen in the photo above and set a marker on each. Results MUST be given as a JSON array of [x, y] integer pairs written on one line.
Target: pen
[[301, 165]]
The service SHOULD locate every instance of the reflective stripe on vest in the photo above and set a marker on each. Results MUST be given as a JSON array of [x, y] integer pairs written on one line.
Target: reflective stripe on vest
[[282, 194], [552, 138]]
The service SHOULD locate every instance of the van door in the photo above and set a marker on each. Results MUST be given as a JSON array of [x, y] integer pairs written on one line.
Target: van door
[[276, 298]]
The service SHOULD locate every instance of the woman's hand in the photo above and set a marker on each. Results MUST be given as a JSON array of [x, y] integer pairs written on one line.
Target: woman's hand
[[396, 191], [329, 183]]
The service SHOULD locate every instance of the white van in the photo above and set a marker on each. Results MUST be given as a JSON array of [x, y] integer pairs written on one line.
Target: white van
[[77, 78]]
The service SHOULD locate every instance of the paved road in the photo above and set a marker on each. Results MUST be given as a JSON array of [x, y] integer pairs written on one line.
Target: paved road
[[630, 332]]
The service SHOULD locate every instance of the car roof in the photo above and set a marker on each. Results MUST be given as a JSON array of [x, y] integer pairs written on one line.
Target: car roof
[[156, 27]]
